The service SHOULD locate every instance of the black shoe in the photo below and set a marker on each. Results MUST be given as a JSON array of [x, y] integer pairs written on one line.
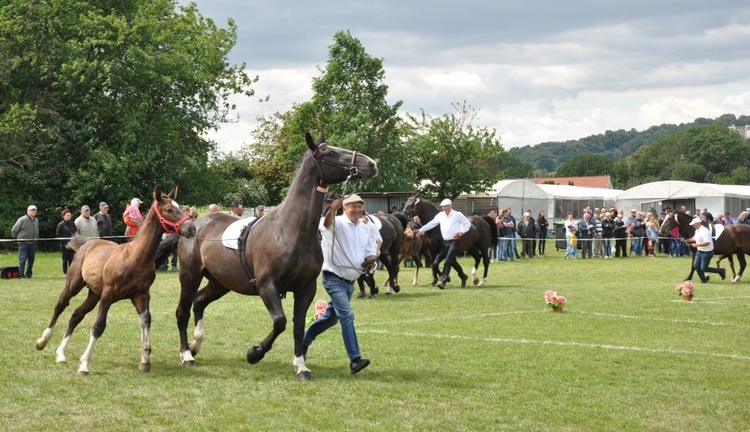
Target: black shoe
[[441, 285], [361, 294], [464, 278], [359, 364], [723, 273]]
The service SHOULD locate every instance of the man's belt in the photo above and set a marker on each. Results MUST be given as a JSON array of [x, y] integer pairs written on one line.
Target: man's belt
[[328, 274]]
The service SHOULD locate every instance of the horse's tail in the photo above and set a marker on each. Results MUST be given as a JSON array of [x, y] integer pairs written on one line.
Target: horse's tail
[[493, 230], [76, 242], [403, 219]]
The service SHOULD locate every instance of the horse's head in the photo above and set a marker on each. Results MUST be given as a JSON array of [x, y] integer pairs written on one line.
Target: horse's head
[[410, 206], [173, 220], [337, 165], [416, 205], [679, 220]]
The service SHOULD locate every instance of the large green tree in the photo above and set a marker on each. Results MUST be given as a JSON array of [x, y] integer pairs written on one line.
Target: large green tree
[[100, 100], [585, 164], [452, 156]]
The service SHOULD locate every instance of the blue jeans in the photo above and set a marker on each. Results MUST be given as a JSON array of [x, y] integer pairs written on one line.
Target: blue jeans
[[701, 262], [26, 254], [501, 249], [637, 243], [607, 246], [339, 308], [510, 247]]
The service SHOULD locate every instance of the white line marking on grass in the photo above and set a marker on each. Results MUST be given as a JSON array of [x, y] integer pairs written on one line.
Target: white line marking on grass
[[676, 321], [443, 317], [559, 343]]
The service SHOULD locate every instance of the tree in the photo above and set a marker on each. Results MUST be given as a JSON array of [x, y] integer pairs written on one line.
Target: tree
[[586, 164], [452, 156], [106, 99]]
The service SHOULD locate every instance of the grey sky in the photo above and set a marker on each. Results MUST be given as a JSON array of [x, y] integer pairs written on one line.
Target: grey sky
[[537, 71]]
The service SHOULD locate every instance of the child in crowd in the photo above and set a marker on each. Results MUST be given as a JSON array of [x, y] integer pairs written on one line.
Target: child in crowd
[[573, 244], [653, 239]]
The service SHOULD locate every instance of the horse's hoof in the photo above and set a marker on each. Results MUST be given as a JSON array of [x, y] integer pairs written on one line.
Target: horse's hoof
[[254, 355], [476, 281], [145, 367], [83, 373], [61, 362], [396, 288], [40, 345], [304, 376], [189, 363]]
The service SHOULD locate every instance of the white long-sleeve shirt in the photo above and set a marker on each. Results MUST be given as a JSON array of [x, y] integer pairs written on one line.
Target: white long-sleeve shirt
[[345, 246], [450, 224]]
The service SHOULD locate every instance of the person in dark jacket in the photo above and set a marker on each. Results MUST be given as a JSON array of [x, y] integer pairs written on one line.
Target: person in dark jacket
[[585, 235], [542, 231], [103, 221], [527, 231], [65, 230], [621, 237], [26, 231]]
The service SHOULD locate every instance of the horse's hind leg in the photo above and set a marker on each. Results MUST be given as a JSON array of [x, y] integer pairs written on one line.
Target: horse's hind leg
[[210, 293], [73, 286], [87, 306], [743, 264], [272, 300], [141, 303]]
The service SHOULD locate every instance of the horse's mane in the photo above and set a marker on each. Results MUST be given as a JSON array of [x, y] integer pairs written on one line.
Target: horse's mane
[[402, 218]]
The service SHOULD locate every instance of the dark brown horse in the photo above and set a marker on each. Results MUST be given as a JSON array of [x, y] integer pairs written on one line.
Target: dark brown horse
[[282, 254], [410, 248], [735, 239], [475, 242], [114, 272]]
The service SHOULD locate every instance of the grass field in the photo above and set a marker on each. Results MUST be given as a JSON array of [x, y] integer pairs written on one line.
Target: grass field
[[627, 354]]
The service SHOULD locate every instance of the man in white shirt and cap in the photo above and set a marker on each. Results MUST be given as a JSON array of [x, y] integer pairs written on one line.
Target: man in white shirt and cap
[[453, 224], [348, 251], [705, 244]]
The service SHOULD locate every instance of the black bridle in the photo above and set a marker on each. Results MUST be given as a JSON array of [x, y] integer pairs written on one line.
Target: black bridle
[[350, 168]]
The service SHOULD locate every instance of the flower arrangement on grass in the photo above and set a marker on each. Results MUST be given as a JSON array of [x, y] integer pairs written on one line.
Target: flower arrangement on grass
[[685, 290], [555, 301], [320, 309]]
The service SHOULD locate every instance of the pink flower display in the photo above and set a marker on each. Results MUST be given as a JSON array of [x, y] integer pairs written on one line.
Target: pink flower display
[[553, 300], [685, 289]]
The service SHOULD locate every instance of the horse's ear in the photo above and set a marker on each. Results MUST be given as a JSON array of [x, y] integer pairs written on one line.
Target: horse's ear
[[310, 142], [173, 193], [322, 139], [157, 193]]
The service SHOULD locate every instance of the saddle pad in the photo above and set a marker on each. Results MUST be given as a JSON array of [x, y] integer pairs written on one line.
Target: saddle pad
[[718, 229], [232, 233]]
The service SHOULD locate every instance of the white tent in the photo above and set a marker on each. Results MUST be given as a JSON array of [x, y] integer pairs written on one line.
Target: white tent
[[674, 194], [574, 198], [522, 195]]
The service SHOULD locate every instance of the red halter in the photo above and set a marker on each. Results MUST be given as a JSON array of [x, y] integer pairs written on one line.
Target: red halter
[[169, 226]]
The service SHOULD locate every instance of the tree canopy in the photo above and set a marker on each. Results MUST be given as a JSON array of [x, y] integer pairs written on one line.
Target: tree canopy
[[99, 100]]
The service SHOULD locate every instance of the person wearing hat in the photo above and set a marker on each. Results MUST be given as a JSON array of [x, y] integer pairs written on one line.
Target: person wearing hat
[[103, 220], [132, 217], [259, 211], [348, 251], [705, 251], [85, 224], [236, 209], [26, 231], [453, 224]]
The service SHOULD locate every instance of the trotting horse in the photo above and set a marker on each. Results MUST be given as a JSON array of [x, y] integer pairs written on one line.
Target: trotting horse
[[735, 239], [475, 242], [282, 254], [114, 272]]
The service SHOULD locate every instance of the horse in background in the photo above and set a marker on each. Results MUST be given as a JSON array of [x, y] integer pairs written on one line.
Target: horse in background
[[475, 241], [281, 254], [411, 248], [735, 239], [114, 272]]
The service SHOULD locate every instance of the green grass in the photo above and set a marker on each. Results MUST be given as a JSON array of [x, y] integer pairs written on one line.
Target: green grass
[[626, 354]]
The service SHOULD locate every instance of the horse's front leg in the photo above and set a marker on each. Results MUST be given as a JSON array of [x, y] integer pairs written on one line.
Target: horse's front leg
[[271, 298], [302, 301], [210, 293], [141, 303], [96, 332], [87, 306]]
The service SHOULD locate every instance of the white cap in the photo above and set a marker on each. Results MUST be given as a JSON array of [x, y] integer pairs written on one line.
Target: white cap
[[446, 202], [31, 207], [696, 220], [136, 202]]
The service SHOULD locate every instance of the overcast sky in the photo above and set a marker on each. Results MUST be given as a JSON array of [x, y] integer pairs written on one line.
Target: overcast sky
[[536, 70]]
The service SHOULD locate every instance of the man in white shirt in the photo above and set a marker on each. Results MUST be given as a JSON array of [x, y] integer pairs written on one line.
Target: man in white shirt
[[348, 250], [705, 244], [453, 224]]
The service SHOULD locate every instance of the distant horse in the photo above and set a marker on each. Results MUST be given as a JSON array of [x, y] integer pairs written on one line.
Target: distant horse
[[735, 239], [114, 272], [282, 254], [475, 242], [392, 233], [410, 248]]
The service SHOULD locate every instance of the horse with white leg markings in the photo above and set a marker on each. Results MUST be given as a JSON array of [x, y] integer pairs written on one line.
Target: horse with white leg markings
[[114, 272]]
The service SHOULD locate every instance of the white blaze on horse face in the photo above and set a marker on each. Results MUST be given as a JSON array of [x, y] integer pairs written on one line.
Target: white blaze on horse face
[[174, 204]]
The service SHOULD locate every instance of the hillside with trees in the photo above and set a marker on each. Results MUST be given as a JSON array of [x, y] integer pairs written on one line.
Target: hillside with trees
[[614, 145]]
